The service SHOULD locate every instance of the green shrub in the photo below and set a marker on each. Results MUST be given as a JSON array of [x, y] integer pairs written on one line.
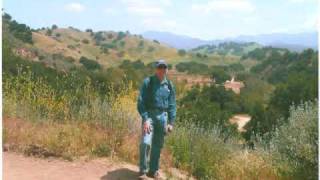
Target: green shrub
[[295, 144], [122, 43], [70, 46], [108, 46], [89, 64], [20, 31], [141, 44], [89, 30], [102, 150], [99, 37], [151, 49], [54, 27], [85, 41], [192, 67], [121, 35], [49, 32], [182, 52]]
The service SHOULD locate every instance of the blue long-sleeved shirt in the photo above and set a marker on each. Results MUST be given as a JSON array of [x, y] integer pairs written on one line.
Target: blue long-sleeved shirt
[[162, 97]]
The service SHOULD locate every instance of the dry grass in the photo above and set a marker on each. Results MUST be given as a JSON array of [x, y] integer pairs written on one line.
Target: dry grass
[[247, 165], [68, 140], [91, 50]]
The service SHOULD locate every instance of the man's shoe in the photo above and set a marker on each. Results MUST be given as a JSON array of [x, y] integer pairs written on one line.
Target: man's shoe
[[143, 175], [155, 175]]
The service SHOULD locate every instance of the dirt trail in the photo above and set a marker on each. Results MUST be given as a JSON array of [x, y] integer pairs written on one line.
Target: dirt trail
[[241, 120], [17, 167]]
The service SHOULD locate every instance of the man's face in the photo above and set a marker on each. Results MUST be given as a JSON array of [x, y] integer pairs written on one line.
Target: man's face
[[161, 71]]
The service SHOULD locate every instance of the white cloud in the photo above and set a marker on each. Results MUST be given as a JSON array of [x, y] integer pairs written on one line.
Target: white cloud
[[74, 7], [251, 19], [146, 11], [166, 2], [280, 30], [146, 7], [159, 23], [302, 1], [311, 23], [110, 10], [224, 6]]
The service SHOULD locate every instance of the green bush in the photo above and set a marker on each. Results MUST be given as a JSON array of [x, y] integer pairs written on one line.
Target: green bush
[[108, 46], [90, 64], [102, 150], [182, 52], [89, 30], [192, 67], [141, 44], [121, 35], [20, 31], [99, 37], [122, 43], [295, 144], [151, 49], [85, 41], [219, 74], [54, 27], [49, 32]]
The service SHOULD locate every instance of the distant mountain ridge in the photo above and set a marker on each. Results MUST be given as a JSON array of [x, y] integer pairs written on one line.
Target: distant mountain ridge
[[296, 42], [174, 40]]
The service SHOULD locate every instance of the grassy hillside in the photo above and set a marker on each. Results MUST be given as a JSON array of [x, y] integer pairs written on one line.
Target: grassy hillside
[[227, 48], [106, 47], [109, 48], [62, 48]]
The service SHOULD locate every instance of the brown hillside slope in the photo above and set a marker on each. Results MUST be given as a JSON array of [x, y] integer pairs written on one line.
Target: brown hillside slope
[[74, 43]]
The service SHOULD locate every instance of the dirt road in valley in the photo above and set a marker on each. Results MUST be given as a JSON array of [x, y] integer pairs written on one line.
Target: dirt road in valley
[[19, 167]]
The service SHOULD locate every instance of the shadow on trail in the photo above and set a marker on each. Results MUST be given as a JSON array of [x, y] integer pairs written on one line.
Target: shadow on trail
[[119, 174]]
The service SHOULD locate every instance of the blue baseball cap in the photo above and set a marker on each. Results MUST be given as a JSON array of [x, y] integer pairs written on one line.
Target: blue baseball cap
[[161, 62]]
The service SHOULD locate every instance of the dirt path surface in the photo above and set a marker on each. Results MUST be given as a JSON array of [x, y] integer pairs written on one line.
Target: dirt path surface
[[241, 120], [18, 167]]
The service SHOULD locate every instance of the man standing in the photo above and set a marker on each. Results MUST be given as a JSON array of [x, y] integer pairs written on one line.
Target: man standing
[[157, 107]]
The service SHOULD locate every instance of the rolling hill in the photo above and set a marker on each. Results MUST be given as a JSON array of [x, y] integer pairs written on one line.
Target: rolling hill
[[63, 48], [295, 42], [227, 48], [54, 45], [106, 47]]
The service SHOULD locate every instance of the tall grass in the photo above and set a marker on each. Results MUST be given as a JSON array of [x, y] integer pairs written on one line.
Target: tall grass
[[207, 155], [80, 102], [70, 116], [198, 150]]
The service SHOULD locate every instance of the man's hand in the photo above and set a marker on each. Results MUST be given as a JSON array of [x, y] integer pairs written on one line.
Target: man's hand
[[146, 127], [169, 128]]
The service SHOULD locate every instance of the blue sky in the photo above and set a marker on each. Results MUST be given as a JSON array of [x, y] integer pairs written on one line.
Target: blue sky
[[205, 19]]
